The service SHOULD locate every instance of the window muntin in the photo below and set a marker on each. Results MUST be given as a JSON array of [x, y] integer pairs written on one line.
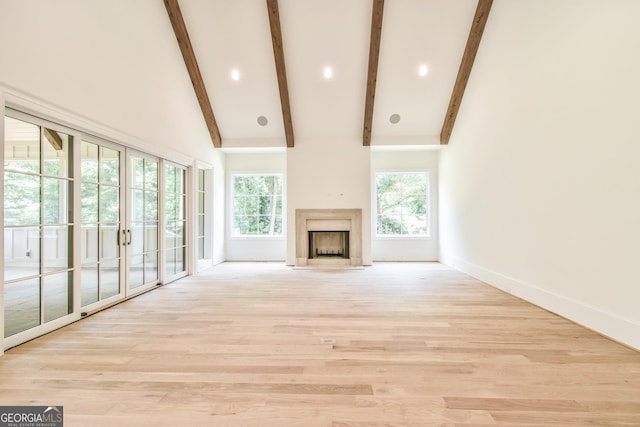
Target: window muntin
[[257, 204], [402, 204]]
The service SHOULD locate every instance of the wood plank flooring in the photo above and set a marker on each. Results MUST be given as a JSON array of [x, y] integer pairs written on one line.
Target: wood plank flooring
[[416, 344]]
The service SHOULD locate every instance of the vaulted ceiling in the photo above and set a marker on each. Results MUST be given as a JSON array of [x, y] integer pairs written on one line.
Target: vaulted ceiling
[[279, 50]]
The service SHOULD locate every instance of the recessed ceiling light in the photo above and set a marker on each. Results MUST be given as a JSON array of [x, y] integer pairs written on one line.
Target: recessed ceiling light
[[423, 70], [235, 75], [262, 121], [394, 118], [328, 72]]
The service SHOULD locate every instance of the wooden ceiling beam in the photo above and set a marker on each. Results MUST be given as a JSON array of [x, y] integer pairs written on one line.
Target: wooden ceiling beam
[[54, 139], [182, 36], [469, 56], [372, 73], [278, 55]]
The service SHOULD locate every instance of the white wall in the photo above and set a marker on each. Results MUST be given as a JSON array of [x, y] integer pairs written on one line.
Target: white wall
[[219, 207], [260, 248], [330, 173], [216, 204], [540, 185], [406, 248], [96, 61], [93, 67]]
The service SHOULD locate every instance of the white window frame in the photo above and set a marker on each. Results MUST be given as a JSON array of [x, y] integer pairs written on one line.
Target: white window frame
[[231, 213], [201, 264], [188, 243], [14, 111], [425, 236]]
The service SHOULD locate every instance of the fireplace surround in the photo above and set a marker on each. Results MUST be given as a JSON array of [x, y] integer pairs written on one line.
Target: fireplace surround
[[329, 220]]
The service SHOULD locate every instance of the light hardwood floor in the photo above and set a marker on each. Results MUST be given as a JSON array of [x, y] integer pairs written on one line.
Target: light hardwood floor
[[416, 344]]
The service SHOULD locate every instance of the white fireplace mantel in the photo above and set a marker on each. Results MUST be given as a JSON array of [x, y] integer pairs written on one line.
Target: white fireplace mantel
[[328, 220]]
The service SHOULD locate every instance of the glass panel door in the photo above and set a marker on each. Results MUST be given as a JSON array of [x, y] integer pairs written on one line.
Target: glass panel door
[[141, 236], [38, 226], [101, 223], [200, 215], [175, 221], [82, 223], [203, 227]]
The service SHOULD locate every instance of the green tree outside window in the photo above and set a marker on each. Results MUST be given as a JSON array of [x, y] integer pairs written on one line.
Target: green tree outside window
[[402, 204], [257, 205]]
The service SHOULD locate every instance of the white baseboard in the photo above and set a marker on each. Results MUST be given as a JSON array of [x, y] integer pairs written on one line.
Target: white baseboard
[[619, 329]]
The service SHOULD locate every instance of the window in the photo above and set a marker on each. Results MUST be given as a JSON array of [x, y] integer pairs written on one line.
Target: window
[[203, 229], [175, 202], [257, 204], [402, 200], [201, 192]]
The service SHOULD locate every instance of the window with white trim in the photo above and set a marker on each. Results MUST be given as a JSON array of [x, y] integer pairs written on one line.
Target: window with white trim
[[257, 204], [402, 204], [201, 214]]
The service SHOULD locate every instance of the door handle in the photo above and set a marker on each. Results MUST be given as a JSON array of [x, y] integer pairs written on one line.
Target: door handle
[[129, 242]]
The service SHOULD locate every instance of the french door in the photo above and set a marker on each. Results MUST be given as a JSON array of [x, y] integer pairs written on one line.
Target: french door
[[83, 220], [175, 221], [119, 215], [39, 227], [102, 218], [140, 237]]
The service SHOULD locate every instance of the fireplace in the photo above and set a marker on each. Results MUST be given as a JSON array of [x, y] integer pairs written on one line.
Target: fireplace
[[328, 244], [329, 237]]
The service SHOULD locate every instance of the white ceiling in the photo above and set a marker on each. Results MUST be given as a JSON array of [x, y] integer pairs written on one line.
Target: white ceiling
[[117, 62], [230, 35], [236, 34], [431, 32]]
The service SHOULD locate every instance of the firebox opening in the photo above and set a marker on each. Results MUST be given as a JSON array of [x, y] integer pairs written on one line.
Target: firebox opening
[[329, 244]]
